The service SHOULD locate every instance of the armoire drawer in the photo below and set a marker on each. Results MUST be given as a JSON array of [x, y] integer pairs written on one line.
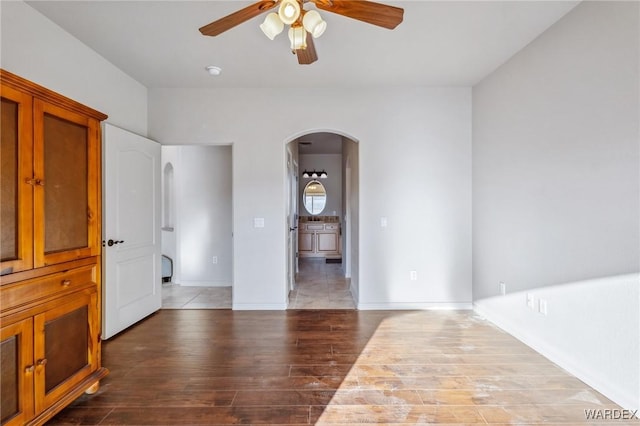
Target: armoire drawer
[[24, 292]]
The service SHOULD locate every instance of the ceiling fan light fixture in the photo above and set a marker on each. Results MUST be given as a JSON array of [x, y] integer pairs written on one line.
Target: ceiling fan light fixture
[[289, 11], [298, 38], [272, 25], [313, 23]]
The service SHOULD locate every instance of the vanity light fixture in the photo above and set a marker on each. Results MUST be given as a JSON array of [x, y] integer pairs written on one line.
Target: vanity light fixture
[[314, 174]]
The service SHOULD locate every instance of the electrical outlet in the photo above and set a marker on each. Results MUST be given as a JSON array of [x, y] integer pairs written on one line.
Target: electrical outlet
[[214, 259], [413, 275], [503, 288], [530, 301], [542, 306]]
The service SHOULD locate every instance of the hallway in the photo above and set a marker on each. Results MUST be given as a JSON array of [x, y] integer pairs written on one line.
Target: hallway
[[320, 285]]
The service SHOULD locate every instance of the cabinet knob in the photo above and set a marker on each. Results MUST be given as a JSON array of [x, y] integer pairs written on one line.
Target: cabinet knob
[[29, 369], [42, 361], [39, 182], [65, 283]]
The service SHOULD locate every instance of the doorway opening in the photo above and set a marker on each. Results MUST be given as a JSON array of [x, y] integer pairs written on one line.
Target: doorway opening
[[197, 226], [322, 216]]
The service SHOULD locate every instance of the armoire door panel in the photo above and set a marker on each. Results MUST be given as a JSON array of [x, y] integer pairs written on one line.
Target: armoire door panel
[[66, 341], [9, 183], [16, 359], [66, 199], [64, 349], [66, 192], [16, 191]]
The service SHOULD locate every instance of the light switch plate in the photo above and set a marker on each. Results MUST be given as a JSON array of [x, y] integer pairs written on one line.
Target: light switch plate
[[258, 222]]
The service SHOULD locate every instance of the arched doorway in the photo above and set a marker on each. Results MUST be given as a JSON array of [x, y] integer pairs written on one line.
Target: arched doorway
[[322, 249]]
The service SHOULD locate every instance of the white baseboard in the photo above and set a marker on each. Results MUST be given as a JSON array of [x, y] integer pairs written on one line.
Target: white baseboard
[[354, 292], [544, 333], [259, 307], [184, 283], [422, 306]]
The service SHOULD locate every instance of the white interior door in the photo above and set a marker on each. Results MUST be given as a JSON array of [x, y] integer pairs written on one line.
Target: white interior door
[[292, 220], [132, 281]]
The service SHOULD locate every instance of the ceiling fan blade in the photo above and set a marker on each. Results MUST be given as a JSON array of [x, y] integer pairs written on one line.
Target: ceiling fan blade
[[370, 12], [307, 56], [223, 24]]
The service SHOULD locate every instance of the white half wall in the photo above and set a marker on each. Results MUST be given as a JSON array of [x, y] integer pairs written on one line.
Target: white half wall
[[35, 48], [414, 169], [556, 194]]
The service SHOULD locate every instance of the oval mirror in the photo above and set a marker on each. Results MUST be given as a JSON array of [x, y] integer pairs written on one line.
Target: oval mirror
[[314, 197]]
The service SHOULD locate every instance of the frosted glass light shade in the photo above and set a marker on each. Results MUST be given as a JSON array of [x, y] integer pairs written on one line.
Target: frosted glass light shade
[[289, 11], [314, 23], [298, 38], [272, 26]]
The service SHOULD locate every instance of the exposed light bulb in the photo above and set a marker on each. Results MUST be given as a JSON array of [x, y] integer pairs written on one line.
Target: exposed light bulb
[[289, 11]]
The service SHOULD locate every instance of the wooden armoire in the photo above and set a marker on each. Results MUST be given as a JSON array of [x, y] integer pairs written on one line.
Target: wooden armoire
[[50, 222]]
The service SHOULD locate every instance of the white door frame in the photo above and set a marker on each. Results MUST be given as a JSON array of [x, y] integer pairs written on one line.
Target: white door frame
[[292, 219]]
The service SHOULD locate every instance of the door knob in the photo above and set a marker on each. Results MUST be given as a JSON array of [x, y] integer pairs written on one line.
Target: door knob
[[112, 242]]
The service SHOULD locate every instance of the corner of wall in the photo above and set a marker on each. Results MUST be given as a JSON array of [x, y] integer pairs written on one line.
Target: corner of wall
[[591, 329]]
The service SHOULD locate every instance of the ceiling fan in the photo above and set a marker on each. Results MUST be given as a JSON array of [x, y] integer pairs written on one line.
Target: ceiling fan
[[305, 25]]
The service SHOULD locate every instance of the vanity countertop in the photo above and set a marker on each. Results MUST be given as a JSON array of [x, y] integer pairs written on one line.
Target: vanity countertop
[[315, 219]]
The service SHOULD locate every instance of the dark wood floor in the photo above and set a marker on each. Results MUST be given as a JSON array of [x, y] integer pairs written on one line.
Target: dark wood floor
[[327, 367]]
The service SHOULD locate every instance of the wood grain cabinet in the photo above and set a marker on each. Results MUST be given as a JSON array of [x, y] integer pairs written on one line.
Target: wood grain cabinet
[[317, 239], [50, 287]]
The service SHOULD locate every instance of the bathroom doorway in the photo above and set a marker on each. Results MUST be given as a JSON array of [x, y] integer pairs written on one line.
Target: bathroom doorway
[[325, 222]]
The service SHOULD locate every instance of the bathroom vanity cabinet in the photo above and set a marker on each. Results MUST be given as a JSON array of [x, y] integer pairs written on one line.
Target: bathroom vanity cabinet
[[50, 283], [319, 239]]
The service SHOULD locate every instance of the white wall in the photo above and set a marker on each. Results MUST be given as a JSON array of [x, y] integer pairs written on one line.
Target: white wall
[[171, 155], [414, 165], [351, 216], [556, 190], [332, 164], [35, 48], [203, 225]]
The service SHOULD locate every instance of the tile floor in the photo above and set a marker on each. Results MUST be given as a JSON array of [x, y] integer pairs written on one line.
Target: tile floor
[[319, 285], [178, 297]]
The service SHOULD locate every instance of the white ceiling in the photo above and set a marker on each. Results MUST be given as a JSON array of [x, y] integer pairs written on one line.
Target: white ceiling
[[320, 143], [440, 43]]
